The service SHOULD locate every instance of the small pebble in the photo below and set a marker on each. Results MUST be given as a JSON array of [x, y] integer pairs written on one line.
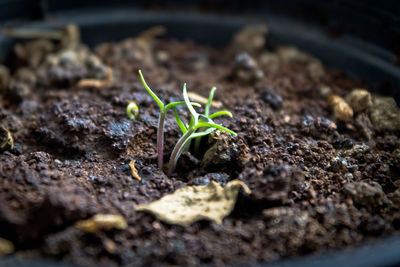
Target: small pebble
[[246, 69], [385, 114], [272, 98], [359, 100], [341, 110]]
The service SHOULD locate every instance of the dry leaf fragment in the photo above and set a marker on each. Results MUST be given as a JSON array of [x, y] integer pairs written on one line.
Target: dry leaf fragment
[[134, 170], [6, 247], [202, 100], [102, 221], [193, 203], [341, 110]]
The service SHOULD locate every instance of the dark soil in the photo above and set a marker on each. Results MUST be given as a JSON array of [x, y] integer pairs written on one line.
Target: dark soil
[[317, 183]]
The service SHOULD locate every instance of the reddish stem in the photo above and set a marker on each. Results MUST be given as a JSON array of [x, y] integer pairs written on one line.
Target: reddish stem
[[160, 140]]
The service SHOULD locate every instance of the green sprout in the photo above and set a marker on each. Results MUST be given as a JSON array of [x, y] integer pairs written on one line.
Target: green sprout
[[132, 110], [199, 126], [212, 116], [161, 119]]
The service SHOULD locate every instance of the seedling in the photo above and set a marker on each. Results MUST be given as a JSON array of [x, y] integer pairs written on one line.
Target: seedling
[[132, 110], [203, 124], [206, 114], [161, 119]]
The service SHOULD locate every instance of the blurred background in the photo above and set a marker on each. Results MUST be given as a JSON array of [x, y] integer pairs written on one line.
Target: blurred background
[[375, 21], [360, 37]]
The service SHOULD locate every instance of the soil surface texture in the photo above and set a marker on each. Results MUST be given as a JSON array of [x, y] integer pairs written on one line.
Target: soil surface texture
[[322, 160]]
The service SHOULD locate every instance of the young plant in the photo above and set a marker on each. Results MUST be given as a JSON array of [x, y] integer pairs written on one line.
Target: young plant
[[207, 114], [161, 119], [203, 124]]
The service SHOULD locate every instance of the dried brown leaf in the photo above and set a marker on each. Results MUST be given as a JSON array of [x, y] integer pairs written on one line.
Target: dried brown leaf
[[193, 203]]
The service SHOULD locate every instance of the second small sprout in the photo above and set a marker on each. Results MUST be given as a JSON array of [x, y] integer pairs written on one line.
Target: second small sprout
[[199, 126], [132, 110]]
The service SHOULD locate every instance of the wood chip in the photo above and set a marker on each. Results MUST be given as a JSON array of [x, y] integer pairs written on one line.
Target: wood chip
[[98, 83], [102, 222], [134, 171], [202, 100]]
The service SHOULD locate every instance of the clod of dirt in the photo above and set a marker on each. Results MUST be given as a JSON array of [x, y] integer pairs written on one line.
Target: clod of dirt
[[6, 139], [108, 79], [395, 198], [68, 66], [357, 151], [4, 77], [221, 178], [277, 215], [272, 98], [141, 48], [193, 203], [102, 222], [25, 75], [33, 53], [396, 157], [223, 149], [251, 39], [269, 60], [292, 54], [324, 91], [197, 61], [314, 67], [359, 99], [385, 115], [274, 183], [6, 247], [341, 110], [17, 91], [246, 69], [364, 124], [368, 195], [319, 127], [338, 164]]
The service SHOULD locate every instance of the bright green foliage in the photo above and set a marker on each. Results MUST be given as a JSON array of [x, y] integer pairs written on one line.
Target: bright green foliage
[[199, 124]]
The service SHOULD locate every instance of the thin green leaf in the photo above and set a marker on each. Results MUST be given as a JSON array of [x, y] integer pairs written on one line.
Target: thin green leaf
[[213, 125], [200, 134], [174, 104], [220, 113], [179, 121], [189, 106], [159, 102], [210, 98], [204, 118]]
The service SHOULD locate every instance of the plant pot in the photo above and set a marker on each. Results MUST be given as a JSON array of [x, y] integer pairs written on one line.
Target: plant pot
[[356, 58]]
